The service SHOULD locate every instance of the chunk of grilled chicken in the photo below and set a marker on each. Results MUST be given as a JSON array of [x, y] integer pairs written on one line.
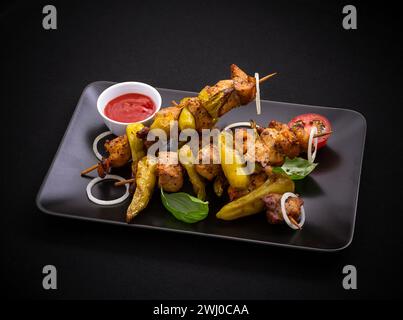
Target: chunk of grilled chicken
[[242, 137], [278, 141], [302, 136], [208, 165], [273, 205], [266, 151], [244, 85], [169, 171], [119, 155]]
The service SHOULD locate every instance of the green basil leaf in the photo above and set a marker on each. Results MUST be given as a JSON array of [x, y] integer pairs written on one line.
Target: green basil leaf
[[296, 169], [185, 207]]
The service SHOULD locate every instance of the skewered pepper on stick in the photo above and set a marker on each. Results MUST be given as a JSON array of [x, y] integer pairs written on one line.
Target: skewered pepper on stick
[[136, 145], [187, 161], [211, 103]]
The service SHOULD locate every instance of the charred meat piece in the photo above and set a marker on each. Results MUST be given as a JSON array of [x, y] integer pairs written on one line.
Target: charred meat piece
[[119, 155], [266, 150], [273, 205], [235, 193], [118, 150], [208, 162], [286, 140], [277, 141], [169, 171], [242, 137], [302, 136], [142, 134]]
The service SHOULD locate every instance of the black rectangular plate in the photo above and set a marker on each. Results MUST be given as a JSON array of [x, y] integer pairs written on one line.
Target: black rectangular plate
[[330, 192]]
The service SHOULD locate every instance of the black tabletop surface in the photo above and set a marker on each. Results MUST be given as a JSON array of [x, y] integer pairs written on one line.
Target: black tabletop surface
[[185, 45]]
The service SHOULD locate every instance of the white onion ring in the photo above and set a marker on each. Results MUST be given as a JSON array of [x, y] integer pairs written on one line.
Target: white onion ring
[[94, 181], [95, 144], [258, 105], [311, 156], [284, 212], [237, 124]]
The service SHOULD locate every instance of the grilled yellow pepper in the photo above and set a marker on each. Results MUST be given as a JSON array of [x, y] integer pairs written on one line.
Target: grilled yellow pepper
[[212, 99], [164, 117], [136, 144], [187, 161], [231, 163], [252, 202], [145, 184], [186, 120]]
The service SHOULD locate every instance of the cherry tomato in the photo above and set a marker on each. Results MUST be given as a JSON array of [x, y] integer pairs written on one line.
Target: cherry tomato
[[313, 119]]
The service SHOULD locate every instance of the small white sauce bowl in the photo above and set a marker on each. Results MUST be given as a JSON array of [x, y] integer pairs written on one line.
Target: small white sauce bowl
[[119, 128]]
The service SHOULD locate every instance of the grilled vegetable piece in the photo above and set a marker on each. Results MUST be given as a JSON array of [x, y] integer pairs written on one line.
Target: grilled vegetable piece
[[145, 184], [169, 171], [136, 144], [203, 120], [164, 117], [187, 160], [272, 203], [252, 202], [186, 120], [214, 97], [119, 155], [309, 120], [256, 180], [208, 162], [231, 163]]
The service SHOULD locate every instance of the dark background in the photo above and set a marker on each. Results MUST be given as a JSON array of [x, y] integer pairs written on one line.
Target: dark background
[[186, 45]]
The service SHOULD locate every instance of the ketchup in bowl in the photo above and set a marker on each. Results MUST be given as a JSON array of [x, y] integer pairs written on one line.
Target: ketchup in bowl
[[129, 108]]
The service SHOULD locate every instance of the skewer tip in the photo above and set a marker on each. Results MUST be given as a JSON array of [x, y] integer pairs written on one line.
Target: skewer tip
[[322, 134], [267, 77], [88, 170], [295, 223]]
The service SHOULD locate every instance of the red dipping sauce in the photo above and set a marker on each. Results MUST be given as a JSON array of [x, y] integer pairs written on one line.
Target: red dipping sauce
[[131, 107]]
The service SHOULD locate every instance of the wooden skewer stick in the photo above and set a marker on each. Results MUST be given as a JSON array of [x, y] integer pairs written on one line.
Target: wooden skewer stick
[[88, 170], [295, 223], [322, 134], [123, 182], [261, 80]]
